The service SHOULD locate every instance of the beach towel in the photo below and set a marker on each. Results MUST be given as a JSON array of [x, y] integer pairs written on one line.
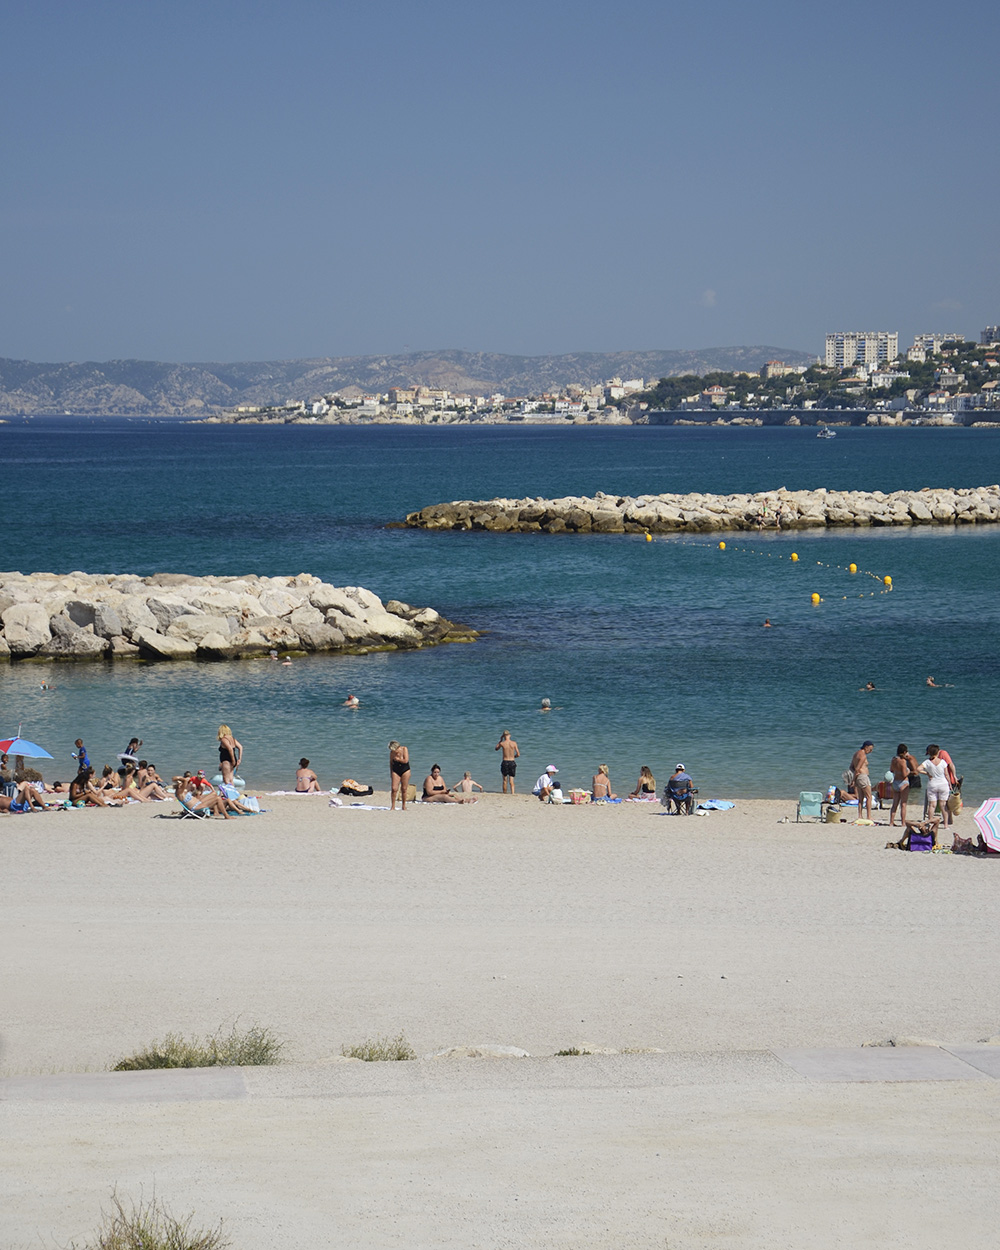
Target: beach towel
[[717, 805], [359, 807], [304, 794]]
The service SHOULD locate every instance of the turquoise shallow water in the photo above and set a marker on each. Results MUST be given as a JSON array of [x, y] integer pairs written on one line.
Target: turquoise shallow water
[[651, 652]]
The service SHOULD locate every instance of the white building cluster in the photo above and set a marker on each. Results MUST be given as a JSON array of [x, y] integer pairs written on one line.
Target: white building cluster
[[426, 404]]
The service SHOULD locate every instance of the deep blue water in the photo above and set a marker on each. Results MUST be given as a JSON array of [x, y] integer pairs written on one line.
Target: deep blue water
[[651, 652]]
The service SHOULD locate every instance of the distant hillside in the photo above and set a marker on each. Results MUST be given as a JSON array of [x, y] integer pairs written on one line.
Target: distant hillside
[[152, 388]]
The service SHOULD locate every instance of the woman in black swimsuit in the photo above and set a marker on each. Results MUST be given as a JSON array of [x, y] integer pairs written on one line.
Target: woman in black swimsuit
[[399, 772], [646, 785], [230, 754], [435, 791]]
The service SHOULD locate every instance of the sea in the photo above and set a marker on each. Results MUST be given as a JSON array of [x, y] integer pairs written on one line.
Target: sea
[[650, 652]]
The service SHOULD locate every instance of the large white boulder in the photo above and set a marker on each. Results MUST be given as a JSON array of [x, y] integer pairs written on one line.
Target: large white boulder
[[162, 647], [68, 639], [135, 615], [215, 602], [166, 609], [367, 600], [334, 598], [320, 637], [351, 627], [279, 602], [274, 631], [26, 628], [391, 627], [306, 615], [194, 627]]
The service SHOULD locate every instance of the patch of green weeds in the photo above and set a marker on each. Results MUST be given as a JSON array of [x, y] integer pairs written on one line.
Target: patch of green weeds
[[149, 1226], [250, 1047], [572, 1051], [380, 1049]]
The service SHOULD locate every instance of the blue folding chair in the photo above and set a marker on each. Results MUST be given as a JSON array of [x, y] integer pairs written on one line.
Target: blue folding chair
[[810, 804]]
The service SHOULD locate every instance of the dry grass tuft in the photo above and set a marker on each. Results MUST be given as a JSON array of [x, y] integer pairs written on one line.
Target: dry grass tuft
[[380, 1049], [149, 1226], [250, 1047]]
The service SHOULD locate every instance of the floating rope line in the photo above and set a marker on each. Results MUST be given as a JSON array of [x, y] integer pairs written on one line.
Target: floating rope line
[[884, 580]]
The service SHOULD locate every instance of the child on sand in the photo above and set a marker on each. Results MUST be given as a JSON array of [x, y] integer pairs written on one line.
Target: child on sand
[[466, 785]]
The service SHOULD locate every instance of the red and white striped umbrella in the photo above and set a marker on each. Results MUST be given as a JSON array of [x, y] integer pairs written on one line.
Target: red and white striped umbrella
[[988, 819]]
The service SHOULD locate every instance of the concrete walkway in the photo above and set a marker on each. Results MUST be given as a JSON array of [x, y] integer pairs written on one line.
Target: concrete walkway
[[349, 1080], [753, 1150]]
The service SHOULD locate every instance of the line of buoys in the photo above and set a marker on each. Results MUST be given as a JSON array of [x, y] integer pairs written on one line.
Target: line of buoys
[[793, 558]]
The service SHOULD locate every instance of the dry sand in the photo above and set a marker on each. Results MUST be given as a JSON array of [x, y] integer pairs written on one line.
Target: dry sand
[[714, 939]]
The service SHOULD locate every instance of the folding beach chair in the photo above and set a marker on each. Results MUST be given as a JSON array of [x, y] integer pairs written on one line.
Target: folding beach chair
[[192, 813], [810, 804]]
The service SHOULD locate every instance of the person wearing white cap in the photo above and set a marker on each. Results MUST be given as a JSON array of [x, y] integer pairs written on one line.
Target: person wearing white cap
[[543, 786], [679, 791]]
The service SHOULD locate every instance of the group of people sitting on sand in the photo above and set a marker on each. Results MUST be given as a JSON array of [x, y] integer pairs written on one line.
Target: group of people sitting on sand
[[136, 783], [678, 794], [196, 795]]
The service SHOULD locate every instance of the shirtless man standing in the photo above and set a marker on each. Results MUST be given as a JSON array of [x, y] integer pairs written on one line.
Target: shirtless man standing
[[507, 765], [862, 781]]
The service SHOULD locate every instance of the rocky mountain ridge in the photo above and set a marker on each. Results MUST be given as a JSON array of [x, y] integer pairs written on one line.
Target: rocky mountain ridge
[[156, 388]]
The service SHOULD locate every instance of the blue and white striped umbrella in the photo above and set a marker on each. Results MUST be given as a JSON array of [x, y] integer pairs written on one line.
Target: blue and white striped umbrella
[[988, 820]]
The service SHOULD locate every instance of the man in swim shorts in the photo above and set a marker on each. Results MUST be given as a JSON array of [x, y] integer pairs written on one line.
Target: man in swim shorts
[[508, 765], [862, 781]]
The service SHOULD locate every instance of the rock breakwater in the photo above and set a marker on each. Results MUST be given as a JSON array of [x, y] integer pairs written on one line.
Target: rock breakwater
[[776, 509], [172, 616]]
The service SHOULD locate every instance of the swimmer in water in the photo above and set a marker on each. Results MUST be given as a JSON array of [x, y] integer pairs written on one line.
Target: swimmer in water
[[352, 700], [931, 682], [546, 705], [869, 685], [286, 662], [767, 622]]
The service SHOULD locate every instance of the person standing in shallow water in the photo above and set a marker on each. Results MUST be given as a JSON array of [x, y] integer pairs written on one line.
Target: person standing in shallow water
[[508, 762], [399, 773], [230, 754]]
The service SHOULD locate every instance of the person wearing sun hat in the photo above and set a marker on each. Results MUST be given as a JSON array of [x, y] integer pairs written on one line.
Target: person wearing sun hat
[[543, 786]]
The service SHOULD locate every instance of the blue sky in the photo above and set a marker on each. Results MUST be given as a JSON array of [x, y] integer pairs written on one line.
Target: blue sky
[[254, 180]]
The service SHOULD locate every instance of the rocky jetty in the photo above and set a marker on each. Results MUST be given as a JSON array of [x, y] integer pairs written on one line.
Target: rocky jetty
[[172, 616], [776, 509]]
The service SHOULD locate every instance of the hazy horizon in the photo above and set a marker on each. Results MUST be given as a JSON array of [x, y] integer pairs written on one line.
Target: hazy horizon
[[249, 182]]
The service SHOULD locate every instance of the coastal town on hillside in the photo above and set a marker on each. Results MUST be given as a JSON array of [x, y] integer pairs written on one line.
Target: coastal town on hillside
[[861, 379]]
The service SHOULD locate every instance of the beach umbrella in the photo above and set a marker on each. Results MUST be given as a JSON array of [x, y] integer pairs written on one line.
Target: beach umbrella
[[21, 746], [988, 820]]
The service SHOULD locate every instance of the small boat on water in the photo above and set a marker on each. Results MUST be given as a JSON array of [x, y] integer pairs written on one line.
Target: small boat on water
[[826, 432]]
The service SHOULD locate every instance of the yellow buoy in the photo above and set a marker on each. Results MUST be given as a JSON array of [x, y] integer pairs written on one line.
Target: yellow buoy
[[886, 581], [852, 568], [722, 546], [795, 555], [649, 538], [815, 597]]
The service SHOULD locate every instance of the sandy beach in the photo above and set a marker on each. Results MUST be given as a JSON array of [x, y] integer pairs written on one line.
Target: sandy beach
[[717, 940]]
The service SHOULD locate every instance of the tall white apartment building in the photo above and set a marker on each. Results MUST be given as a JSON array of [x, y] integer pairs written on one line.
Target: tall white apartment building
[[864, 347], [932, 343]]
